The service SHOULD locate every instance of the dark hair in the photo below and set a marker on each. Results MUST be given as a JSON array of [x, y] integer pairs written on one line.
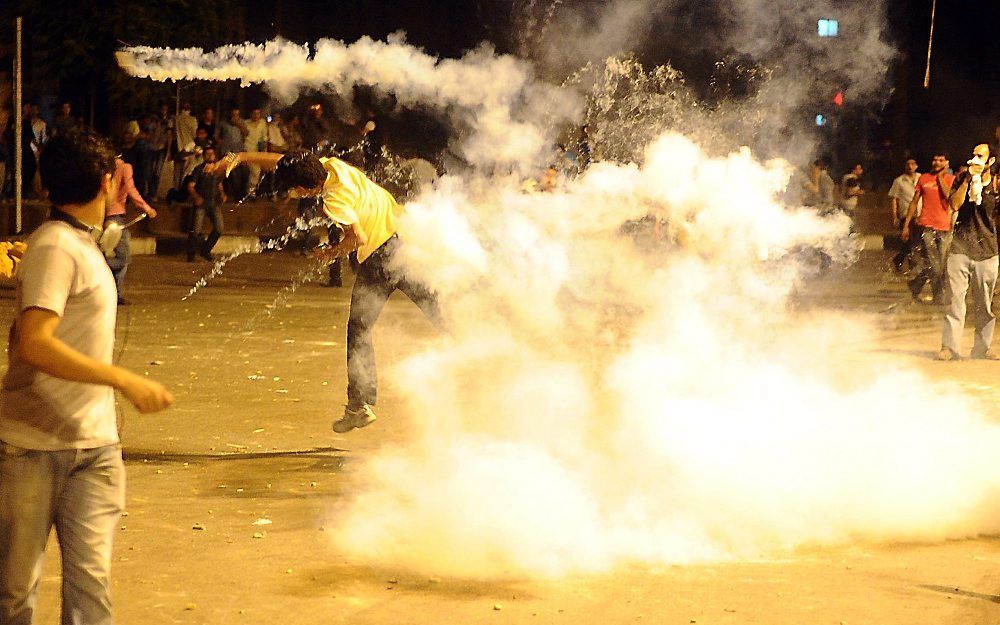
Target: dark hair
[[298, 168], [73, 165], [944, 154]]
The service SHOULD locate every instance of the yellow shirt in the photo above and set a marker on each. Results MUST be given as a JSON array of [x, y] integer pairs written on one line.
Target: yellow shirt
[[350, 197]]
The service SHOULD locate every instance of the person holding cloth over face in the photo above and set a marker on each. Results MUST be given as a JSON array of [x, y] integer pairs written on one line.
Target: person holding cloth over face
[[973, 257]]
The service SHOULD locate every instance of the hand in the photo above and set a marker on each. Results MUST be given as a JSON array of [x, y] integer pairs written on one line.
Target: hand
[[145, 394], [905, 234], [198, 201], [151, 213], [325, 254]]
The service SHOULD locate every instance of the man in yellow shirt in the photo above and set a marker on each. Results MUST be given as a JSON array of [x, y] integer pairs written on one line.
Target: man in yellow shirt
[[368, 216]]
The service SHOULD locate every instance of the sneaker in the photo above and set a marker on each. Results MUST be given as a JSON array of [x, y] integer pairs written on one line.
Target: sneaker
[[354, 419], [946, 353]]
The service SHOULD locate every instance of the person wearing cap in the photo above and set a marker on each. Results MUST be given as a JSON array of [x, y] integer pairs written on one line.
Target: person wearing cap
[[369, 216]]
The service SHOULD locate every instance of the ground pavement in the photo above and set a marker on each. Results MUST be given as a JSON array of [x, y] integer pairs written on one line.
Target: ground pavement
[[258, 371]]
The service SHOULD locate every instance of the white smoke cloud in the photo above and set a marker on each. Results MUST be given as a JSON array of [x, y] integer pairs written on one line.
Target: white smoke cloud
[[596, 404]]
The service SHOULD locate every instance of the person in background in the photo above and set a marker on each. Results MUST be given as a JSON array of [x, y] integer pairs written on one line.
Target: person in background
[[207, 196], [933, 228], [123, 189], [207, 122], [818, 187], [64, 120], [973, 257], [255, 141], [185, 128], [901, 193], [230, 138], [850, 190]]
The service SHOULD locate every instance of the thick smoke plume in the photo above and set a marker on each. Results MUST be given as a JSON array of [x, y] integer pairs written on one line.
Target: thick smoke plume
[[598, 401], [623, 379]]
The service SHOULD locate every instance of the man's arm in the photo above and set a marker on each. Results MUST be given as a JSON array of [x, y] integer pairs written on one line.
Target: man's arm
[[134, 195], [353, 239], [193, 193], [944, 184], [38, 346], [265, 160], [957, 196], [910, 213]]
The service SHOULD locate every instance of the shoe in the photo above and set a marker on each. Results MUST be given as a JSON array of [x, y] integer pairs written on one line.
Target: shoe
[[354, 419], [987, 355], [946, 353], [923, 299]]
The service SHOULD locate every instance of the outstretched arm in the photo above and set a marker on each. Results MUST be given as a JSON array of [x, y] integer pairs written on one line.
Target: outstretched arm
[[265, 160]]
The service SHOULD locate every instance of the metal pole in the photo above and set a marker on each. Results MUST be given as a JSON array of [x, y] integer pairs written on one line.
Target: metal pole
[[18, 129], [930, 42]]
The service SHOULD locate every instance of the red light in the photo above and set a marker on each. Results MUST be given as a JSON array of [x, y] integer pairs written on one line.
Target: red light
[[839, 98]]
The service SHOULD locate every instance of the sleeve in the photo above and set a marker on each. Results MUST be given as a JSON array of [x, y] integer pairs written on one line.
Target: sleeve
[[46, 276], [896, 191]]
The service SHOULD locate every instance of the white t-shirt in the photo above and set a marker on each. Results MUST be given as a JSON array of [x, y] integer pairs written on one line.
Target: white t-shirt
[[62, 271], [274, 136], [903, 189], [256, 135]]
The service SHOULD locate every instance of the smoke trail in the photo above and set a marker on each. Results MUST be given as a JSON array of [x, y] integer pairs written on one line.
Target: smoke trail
[[497, 108]]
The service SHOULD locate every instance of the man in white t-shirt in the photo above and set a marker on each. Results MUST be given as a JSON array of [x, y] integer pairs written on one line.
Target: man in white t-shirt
[[850, 189], [904, 187], [255, 141], [60, 457]]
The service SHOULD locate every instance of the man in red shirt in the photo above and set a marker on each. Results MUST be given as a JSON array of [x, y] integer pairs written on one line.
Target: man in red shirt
[[933, 227]]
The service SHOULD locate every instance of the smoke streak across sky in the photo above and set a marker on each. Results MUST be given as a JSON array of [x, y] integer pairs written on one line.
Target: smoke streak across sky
[[596, 403]]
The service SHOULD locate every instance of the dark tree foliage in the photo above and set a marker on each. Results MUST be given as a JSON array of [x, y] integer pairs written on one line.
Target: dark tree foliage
[[70, 44]]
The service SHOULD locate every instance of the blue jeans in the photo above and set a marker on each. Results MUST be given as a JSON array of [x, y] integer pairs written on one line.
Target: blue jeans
[[123, 255], [82, 493]]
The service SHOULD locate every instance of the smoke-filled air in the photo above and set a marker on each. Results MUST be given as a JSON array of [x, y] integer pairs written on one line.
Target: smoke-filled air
[[623, 376]]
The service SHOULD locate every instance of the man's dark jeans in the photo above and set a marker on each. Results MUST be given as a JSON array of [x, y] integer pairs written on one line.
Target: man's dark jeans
[[377, 278], [934, 248]]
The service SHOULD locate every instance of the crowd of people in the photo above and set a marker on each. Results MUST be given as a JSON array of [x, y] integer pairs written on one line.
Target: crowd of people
[[948, 230]]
